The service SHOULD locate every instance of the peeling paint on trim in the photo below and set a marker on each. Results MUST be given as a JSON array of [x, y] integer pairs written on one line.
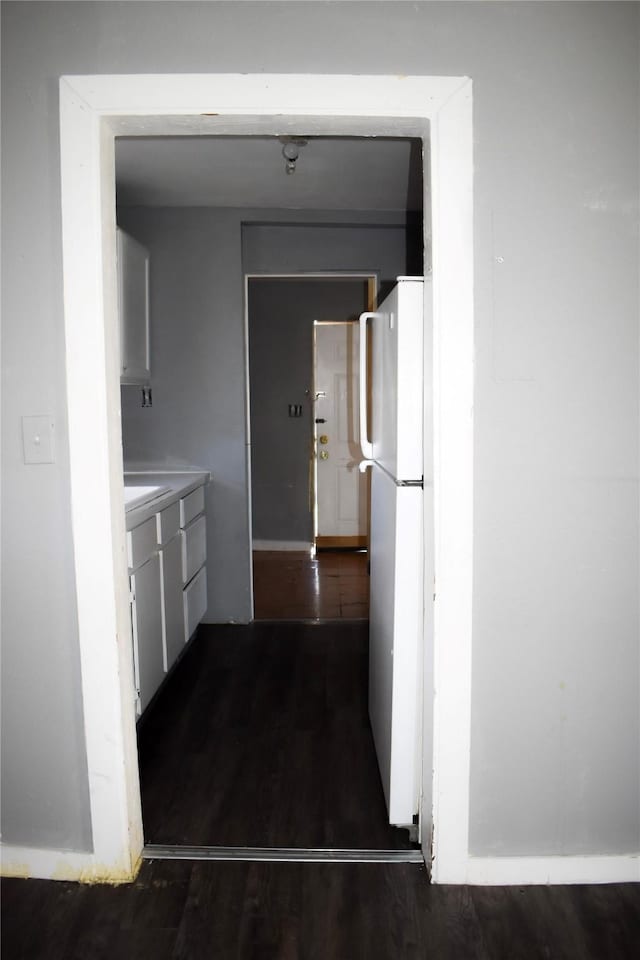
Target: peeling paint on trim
[[24, 863], [18, 871]]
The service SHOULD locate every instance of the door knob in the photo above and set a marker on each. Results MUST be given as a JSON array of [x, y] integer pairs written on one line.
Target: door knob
[[324, 454], [324, 438]]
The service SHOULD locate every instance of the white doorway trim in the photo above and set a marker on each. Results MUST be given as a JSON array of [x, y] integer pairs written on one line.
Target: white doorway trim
[[93, 110]]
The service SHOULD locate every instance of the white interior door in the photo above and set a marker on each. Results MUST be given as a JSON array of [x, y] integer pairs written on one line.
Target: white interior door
[[341, 490]]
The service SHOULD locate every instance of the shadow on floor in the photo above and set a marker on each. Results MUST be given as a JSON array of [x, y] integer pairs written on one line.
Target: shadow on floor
[[262, 738]]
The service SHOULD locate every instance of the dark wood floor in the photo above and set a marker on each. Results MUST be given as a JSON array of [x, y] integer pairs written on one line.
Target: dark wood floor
[[296, 586], [262, 738], [248, 911]]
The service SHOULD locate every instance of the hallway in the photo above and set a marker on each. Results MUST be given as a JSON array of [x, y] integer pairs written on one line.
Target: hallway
[[262, 738], [292, 585]]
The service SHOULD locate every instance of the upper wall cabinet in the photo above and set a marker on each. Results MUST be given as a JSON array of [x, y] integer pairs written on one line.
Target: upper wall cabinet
[[133, 308]]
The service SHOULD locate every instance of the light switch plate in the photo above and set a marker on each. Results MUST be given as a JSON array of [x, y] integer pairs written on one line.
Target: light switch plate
[[38, 439]]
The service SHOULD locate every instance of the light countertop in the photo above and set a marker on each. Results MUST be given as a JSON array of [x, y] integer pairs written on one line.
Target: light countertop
[[173, 486]]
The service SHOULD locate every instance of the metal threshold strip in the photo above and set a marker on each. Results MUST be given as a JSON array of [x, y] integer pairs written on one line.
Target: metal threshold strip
[[313, 621], [280, 854]]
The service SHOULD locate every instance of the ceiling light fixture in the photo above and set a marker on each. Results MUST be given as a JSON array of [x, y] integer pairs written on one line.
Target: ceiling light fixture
[[291, 151]]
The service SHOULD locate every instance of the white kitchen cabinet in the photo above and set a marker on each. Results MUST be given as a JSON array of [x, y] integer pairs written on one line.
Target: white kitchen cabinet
[[133, 309], [173, 635], [141, 543], [195, 602], [194, 548], [194, 557], [191, 506], [168, 523], [170, 543], [146, 621], [167, 552]]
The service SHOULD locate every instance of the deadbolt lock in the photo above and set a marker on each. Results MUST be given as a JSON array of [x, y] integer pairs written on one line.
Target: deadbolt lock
[[324, 438], [324, 454]]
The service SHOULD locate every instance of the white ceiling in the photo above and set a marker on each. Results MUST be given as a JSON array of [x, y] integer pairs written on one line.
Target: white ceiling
[[332, 173]]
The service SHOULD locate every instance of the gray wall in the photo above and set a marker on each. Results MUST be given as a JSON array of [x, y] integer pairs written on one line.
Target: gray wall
[[198, 415], [281, 316], [555, 669], [198, 372], [382, 243]]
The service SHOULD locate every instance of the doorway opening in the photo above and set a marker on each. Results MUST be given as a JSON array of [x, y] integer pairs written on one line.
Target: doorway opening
[[302, 366], [310, 502], [135, 106]]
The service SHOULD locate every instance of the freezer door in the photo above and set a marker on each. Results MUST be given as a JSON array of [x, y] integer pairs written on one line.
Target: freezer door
[[395, 641], [397, 340]]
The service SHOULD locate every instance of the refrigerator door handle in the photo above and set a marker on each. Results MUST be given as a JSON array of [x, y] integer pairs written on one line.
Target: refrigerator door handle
[[365, 443], [364, 464]]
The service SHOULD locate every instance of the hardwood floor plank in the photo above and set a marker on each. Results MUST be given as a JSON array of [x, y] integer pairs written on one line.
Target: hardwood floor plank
[[451, 924], [533, 923], [354, 611], [97, 930], [297, 586], [609, 916], [38, 917], [158, 894], [505, 922], [321, 911], [213, 911], [266, 743], [269, 926]]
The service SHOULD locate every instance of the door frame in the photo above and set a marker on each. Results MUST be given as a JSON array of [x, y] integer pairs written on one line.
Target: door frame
[[372, 279], [93, 110]]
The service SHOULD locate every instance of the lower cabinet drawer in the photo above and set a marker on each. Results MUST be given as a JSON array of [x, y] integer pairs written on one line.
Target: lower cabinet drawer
[[195, 602], [194, 548], [191, 506], [168, 523], [141, 543]]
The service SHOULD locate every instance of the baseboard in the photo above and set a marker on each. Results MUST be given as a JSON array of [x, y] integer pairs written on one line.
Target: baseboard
[[30, 862], [34, 863], [292, 545], [341, 543], [522, 871]]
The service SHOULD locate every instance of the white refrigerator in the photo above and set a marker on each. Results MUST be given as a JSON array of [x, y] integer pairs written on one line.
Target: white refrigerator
[[392, 445]]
